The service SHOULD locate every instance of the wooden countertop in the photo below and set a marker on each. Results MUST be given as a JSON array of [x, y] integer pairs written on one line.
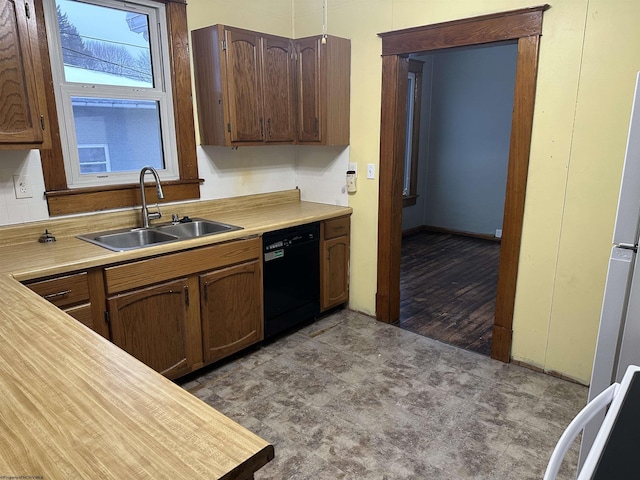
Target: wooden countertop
[[73, 405]]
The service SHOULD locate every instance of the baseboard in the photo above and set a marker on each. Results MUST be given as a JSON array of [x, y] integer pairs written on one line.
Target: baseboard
[[450, 231]]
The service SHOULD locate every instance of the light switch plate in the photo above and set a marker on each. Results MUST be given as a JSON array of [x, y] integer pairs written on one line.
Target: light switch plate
[[22, 186], [371, 170]]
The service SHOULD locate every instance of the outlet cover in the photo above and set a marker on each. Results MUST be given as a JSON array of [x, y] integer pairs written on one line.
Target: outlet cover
[[498, 233], [22, 186]]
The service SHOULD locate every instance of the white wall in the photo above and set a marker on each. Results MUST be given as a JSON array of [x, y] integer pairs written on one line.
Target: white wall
[[13, 210]]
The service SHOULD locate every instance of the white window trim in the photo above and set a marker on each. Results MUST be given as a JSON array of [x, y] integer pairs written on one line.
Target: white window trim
[[161, 92]]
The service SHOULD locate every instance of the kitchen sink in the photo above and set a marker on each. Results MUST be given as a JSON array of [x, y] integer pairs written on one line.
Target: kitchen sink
[[134, 238], [196, 228]]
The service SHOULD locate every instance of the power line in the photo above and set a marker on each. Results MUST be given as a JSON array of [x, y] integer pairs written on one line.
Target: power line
[[105, 40], [127, 67]]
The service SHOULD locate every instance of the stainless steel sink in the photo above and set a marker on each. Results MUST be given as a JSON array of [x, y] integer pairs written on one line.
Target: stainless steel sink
[[197, 228], [131, 239]]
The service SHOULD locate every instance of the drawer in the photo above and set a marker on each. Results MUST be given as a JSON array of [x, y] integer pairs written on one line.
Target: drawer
[[63, 291], [82, 313], [336, 227]]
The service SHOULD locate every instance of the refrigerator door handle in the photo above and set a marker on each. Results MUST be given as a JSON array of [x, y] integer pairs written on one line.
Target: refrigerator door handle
[[628, 246]]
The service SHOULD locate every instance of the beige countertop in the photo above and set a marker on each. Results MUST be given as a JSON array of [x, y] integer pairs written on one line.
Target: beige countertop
[[73, 405]]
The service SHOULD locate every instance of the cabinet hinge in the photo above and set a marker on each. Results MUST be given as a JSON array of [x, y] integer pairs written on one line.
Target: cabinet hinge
[[107, 319], [224, 44], [27, 10], [229, 127], [186, 296], [42, 121]]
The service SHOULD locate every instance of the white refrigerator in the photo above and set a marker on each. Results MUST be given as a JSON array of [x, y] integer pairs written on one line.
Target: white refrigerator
[[618, 344]]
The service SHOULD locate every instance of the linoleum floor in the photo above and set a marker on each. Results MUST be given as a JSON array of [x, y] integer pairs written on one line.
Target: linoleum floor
[[352, 398]]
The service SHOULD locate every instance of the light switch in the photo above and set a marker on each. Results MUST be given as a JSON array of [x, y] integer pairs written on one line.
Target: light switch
[[371, 170]]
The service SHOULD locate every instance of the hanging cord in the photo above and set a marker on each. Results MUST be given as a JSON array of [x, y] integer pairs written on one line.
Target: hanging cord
[[324, 22]]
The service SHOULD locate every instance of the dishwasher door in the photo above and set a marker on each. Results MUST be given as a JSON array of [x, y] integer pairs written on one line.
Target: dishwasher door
[[291, 277]]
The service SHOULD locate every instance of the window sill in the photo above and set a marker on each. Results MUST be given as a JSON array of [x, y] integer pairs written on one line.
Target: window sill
[[94, 199], [409, 200]]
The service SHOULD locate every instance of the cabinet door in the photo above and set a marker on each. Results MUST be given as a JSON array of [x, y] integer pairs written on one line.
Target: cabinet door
[[231, 309], [244, 85], [278, 75], [150, 324], [335, 272], [19, 109], [308, 81]]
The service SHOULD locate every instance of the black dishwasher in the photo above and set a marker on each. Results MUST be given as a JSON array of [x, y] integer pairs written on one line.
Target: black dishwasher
[[291, 277]]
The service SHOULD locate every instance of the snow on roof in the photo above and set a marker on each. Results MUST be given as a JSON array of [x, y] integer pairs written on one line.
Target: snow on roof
[[82, 75]]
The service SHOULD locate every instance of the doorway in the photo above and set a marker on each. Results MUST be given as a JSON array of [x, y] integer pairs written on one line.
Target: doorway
[[523, 25], [460, 105]]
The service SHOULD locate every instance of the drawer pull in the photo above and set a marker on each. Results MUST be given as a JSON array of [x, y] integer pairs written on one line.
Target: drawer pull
[[57, 294]]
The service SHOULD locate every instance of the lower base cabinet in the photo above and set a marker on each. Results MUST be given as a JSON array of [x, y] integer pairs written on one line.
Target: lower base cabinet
[[180, 311], [152, 325], [231, 309]]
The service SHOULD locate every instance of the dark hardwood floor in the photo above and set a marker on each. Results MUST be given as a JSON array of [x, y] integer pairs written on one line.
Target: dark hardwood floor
[[448, 288]]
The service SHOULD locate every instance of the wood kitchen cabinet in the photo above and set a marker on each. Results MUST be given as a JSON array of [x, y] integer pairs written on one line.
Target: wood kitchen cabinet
[[334, 262], [80, 294], [323, 90], [23, 110], [231, 309], [253, 88], [152, 325], [160, 308], [245, 85]]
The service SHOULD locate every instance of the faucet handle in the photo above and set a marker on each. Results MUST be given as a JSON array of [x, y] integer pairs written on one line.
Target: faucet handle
[[175, 218]]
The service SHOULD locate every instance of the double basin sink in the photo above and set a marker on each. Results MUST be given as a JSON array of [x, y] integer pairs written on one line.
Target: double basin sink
[[134, 238]]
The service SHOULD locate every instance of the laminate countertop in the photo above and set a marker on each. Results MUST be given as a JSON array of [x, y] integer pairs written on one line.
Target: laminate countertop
[[75, 406]]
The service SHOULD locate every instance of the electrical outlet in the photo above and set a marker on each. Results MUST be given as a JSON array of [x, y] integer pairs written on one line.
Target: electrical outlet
[[498, 233], [353, 166], [371, 170], [22, 186]]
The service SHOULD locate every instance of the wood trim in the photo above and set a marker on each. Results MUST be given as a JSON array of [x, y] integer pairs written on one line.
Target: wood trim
[[116, 196], [392, 136], [521, 127], [494, 27], [181, 89], [526, 25], [60, 198], [51, 158], [450, 231]]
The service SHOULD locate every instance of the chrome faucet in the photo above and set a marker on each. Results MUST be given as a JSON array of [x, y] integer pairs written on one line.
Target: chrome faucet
[[146, 216]]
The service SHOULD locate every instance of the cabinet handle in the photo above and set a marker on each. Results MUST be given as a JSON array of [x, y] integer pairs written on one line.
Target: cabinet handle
[[57, 294], [261, 129], [269, 127]]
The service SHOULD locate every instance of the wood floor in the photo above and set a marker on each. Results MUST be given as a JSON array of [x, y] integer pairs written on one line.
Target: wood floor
[[448, 288]]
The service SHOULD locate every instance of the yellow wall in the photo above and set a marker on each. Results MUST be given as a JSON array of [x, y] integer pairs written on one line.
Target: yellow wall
[[588, 60]]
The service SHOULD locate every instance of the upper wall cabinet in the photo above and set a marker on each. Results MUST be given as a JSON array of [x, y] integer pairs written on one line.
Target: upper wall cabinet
[[23, 113], [323, 78], [255, 89]]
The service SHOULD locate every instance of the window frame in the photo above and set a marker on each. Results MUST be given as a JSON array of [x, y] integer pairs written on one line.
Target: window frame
[[63, 200], [415, 68]]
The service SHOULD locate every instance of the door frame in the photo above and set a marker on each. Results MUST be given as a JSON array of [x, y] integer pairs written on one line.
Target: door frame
[[523, 25]]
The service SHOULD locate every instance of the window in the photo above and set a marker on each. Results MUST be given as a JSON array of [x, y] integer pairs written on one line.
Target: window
[[128, 102], [94, 158], [412, 138], [112, 88]]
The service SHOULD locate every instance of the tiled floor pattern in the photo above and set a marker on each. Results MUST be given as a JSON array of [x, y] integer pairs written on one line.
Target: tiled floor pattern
[[351, 398]]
